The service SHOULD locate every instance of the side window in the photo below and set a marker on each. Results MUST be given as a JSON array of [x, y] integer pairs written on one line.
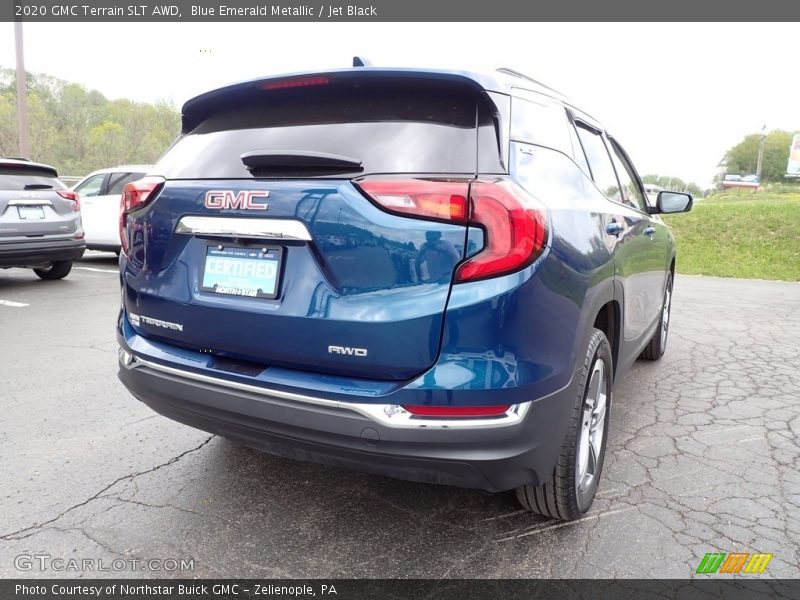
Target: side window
[[92, 186], [117, 181], [546, 172], [540, 123], [600, 162], [627, 179], [577, 151]]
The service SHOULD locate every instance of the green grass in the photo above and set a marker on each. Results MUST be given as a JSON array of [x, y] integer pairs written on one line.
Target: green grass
[[754, 236]]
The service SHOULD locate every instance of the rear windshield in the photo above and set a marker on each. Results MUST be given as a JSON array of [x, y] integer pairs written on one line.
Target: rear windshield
[[18, 182], [390, 128]]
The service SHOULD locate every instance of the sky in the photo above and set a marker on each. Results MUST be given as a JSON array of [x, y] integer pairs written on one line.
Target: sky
[[676, 96]]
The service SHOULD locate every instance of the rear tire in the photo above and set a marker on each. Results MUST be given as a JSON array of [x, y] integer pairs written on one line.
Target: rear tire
[[571, 489], [58, 270], [658, 343]]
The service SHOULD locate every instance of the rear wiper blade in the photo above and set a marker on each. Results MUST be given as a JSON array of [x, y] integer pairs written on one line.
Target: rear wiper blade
[[38, 186], [265, 163]]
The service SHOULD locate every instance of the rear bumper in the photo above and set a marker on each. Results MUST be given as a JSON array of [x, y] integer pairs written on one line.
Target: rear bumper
[[493, 456], [39, 252]]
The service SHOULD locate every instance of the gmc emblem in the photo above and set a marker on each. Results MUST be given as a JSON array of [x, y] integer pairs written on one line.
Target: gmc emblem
[[245, 200]]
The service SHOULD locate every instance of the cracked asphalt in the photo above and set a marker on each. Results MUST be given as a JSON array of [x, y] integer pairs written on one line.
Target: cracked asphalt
[[703, 457]]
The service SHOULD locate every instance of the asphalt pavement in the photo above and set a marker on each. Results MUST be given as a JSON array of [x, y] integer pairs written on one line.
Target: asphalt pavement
[[704, 457]]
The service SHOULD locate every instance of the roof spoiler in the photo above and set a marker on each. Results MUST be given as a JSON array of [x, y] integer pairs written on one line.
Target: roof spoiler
[[201, 107], [25, 166]]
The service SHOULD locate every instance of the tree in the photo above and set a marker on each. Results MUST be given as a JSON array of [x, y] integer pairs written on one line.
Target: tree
[[742, 159], [673, 184], [8, 125], [78, 130]]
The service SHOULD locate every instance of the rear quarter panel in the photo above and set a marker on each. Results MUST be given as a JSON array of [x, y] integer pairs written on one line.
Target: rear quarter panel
[[580, 246]]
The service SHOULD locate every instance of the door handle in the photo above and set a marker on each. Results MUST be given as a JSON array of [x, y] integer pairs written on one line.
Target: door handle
[[650, 231], [614, 228]]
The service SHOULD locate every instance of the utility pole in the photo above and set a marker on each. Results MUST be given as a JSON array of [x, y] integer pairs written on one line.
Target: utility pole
[[22, 96], [760, 153]]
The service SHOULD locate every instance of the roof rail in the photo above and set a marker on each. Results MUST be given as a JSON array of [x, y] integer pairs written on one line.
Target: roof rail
[[514, 73]]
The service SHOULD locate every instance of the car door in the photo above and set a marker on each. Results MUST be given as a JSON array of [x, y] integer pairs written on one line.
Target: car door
[[90, 190], [627, 239], [655, 252]]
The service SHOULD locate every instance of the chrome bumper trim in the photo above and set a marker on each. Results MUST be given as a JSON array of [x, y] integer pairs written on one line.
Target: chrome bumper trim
[[273, 229], [30, 202], [389, 415]]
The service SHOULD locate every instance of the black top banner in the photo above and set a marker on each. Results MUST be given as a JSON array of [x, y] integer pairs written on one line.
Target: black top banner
[[105, 11]]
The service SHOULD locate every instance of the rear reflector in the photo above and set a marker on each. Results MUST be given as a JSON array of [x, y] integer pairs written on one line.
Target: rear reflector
[[295, 82], [515, 225], [422, 198], [70, 195], [457, 411], [135, 195]]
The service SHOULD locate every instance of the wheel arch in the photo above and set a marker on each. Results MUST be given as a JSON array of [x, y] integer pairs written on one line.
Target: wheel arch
[[608, 320]]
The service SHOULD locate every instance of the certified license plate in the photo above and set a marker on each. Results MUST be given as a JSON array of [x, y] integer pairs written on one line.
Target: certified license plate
[[30, 212], [239, 271]]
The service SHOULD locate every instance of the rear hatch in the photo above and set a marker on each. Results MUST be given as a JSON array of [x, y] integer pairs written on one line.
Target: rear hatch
[[311, 222], [34, 204]]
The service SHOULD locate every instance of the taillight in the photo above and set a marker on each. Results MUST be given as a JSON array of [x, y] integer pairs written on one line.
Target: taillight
[[457, 411], [515, 227], [514, 223], [424, 198], [135, 195], [70, 195]]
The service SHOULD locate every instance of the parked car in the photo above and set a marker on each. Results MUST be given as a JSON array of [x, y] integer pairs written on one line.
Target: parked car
[[435, 276], [733, 180], [100, 195], [40, 220]]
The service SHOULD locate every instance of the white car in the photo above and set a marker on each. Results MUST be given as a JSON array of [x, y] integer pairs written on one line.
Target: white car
[[100, 194]]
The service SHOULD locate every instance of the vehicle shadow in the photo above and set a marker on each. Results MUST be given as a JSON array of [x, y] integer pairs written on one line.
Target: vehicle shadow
[[97, 258]]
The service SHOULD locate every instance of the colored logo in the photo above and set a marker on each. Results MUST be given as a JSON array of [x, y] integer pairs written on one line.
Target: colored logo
[[736, 562]]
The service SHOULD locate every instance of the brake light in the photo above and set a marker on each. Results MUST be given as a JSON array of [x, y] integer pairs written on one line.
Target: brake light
[[515, 225], [457, 411], [441, 200], [135, 195], [295, 82], [70, 195]]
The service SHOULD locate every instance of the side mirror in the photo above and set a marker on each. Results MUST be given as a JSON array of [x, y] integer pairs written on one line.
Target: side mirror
[[673, 202]]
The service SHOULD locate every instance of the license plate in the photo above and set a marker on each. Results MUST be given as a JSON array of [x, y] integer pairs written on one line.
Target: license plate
[[239, 271], [30, 212]]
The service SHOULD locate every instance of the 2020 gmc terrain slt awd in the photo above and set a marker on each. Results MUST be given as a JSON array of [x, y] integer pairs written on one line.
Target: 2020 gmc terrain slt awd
[[430, 275]]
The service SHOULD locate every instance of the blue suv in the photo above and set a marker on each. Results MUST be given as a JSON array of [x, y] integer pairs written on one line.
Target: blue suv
[[429, 275]]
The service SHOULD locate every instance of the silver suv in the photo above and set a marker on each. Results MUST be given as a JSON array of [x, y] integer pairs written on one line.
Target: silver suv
[[40, 220]]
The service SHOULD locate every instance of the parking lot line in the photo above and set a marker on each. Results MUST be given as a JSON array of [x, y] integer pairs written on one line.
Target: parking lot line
[[14, 304], [97, 270]]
